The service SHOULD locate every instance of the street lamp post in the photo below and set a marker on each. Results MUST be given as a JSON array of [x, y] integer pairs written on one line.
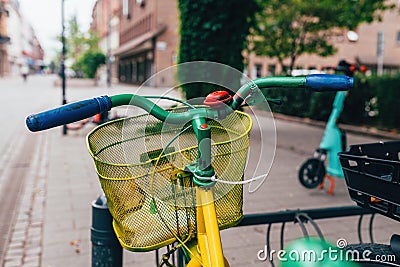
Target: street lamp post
[[380, 52], [64, 101], [108, 40]]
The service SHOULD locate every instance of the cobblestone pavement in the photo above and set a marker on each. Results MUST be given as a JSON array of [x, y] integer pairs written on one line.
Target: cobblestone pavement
[[25, 247], [53, 212]]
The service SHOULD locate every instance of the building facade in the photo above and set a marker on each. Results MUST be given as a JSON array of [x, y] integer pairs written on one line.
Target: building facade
[[4, 38], [361, 47], [145, 39], [106, 15], [148, 38], [21, 48]]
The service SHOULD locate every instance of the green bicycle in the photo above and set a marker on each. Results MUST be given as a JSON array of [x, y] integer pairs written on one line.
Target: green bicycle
[[176, 176]]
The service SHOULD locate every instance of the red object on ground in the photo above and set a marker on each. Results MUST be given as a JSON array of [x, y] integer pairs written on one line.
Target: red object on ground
[[96, 118]]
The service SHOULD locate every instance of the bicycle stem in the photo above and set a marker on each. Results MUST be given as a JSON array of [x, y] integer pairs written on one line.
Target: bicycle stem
[[203, 168]]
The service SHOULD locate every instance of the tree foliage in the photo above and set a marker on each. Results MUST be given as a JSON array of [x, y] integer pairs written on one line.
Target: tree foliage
[[287, 29], [75, 40], [82, 49], [213, 31], [90, 61]]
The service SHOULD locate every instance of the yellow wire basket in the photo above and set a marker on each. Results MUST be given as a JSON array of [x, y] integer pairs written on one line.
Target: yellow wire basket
[[151, 198]]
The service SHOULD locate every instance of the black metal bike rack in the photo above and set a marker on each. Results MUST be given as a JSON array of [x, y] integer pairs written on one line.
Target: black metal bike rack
[[304, 216], [300, 216], [107, 252], [290, 215]]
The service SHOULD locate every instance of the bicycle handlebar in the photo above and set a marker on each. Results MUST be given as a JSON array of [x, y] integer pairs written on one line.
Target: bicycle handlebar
[[319, 83], [87, 108], [68, 113]]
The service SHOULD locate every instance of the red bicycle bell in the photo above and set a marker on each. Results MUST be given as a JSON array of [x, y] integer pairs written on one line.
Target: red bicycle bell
[[218, 99]]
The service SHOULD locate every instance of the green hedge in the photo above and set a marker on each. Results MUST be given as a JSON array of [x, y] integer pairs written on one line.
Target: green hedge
[[374, 101], [213, 31]]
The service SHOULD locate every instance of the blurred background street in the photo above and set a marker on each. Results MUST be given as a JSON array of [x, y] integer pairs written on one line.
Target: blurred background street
[[53, 52], [50, 182]]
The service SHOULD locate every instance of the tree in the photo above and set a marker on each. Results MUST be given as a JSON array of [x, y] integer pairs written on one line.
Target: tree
[[214, 31], [287, 29], [75, 39], [81, 48], [90, 61]]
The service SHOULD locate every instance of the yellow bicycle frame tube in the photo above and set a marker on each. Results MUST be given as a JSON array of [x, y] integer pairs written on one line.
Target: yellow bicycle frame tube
[[208, 236]]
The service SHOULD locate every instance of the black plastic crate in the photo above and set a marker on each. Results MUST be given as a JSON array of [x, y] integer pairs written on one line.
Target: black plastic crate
[[372, 174]]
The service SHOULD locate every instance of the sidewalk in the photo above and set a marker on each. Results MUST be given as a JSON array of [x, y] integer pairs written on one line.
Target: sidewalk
[[52, 226], [360, 130], [53, 222]]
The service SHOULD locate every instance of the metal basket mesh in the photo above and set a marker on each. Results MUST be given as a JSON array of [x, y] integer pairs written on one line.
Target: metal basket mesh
[[149, 197]]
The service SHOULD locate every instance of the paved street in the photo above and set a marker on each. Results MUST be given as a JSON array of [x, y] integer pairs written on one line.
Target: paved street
[[18, 99], [48, 181]]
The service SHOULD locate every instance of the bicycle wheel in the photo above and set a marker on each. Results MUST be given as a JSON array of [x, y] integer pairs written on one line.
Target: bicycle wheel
[[373, 255], [312, 173]]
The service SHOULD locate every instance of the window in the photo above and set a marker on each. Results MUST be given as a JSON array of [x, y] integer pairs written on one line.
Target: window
[[398, 38], [125, 8], [141, 3], [258, 70], [272, 69]]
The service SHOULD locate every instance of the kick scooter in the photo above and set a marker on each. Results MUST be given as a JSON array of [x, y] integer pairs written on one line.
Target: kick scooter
[[313, 171]]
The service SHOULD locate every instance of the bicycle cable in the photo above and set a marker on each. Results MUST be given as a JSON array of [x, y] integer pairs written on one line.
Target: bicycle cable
[[181, 242], [215, 179]]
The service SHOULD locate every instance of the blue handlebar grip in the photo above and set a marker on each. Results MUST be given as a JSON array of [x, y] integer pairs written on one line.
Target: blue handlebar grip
[[68, 113], [329, 82]]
